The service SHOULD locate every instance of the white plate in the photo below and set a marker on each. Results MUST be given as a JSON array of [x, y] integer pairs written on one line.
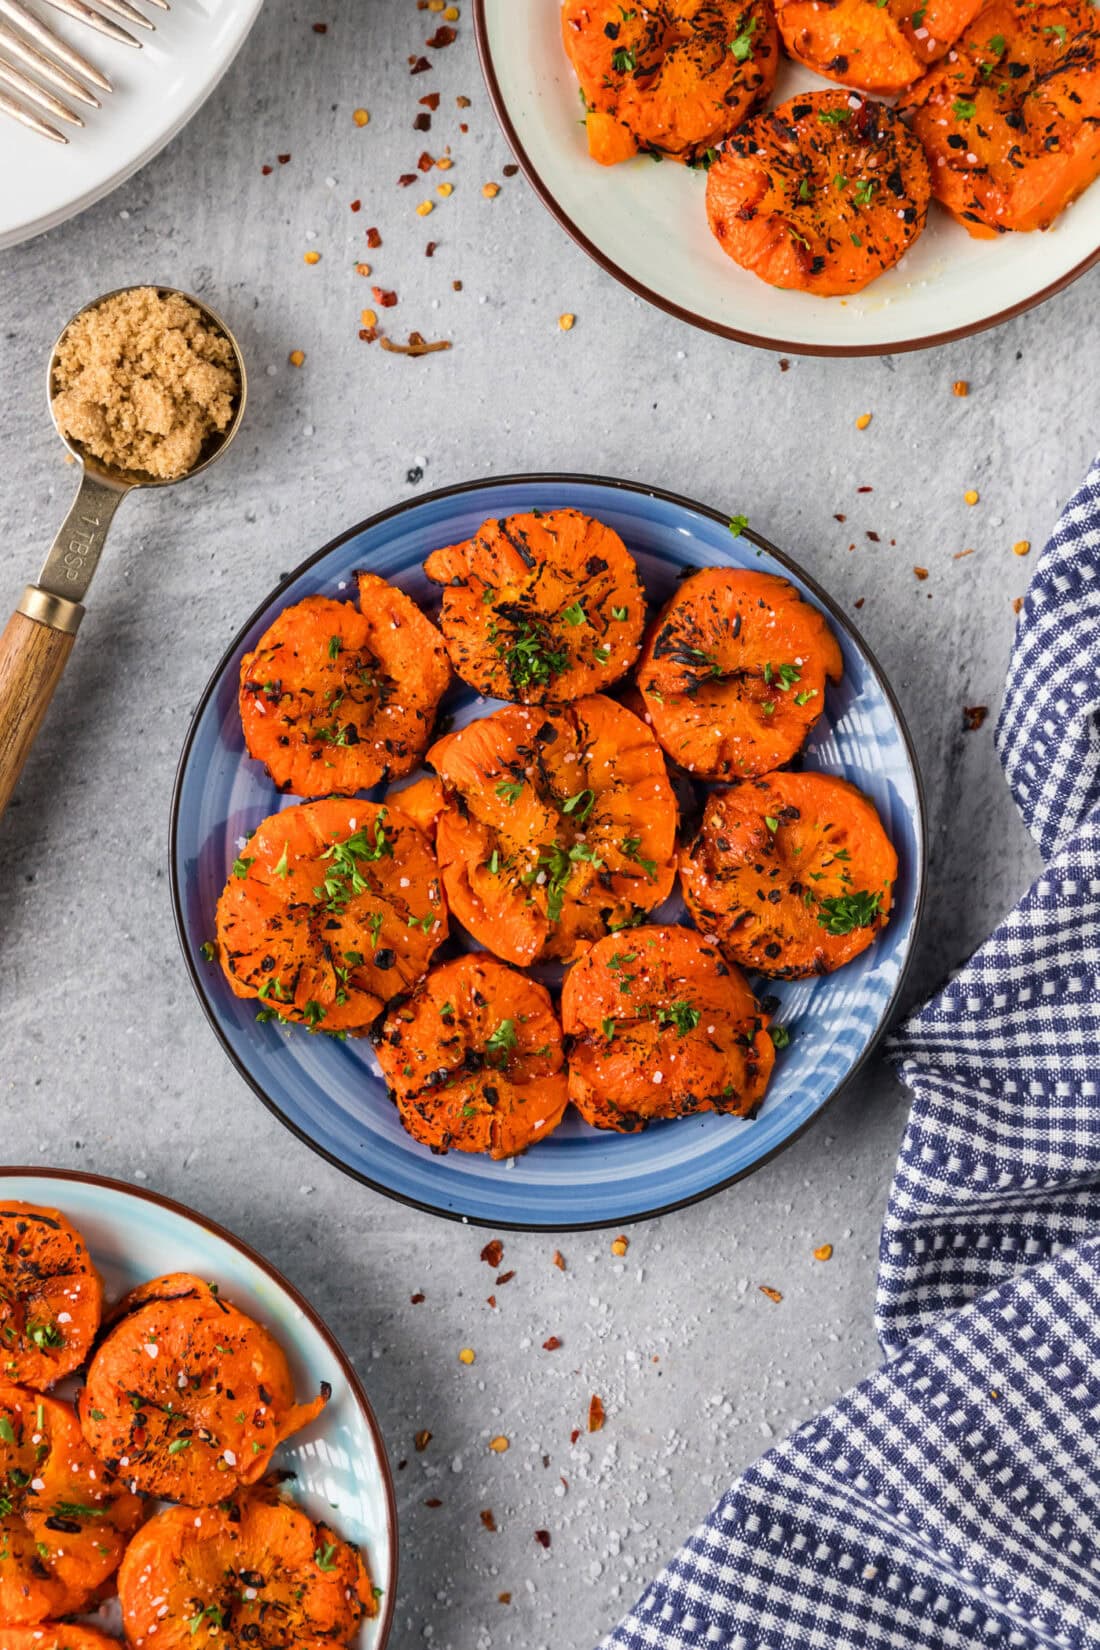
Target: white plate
[[646, 223], [338, 1462], [156, 91]]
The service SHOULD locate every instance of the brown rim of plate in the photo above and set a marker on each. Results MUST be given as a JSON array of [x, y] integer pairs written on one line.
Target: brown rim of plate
[[107, 1184], [776, 345]]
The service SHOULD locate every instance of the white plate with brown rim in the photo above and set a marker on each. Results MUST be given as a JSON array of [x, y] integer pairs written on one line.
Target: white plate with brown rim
[[646, 224]]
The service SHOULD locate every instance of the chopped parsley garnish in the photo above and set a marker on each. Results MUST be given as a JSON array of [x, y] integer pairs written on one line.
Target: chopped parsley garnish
[[854, 238], [208, 950], [805, 193], [313, 1013], [624, 61], [325, 1557], [619, 613], [1059, 29], [630, 846], [241, 866], [558, 864], [768, 707], [784, 676], [681, 1015], [502, 1041], [7, 1431], [864, 192], [847, 912], [334, 646], [918, 16], [581, 804], [741, 48], [179, 1444], [780, 1036], [834, 117], [212, 1613], [963, 108], [574, 614], [805, 696], [737, 525], [45, 1334], [607, 1025], [447, 1011], [529, 660], [771, 823], [602, 653], [840, 181], [997, 43], [510, 791], [345, 879], [283, 867]]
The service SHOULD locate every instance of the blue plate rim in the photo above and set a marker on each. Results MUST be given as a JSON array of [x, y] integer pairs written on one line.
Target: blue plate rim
[[107, 1183], [547, 479]]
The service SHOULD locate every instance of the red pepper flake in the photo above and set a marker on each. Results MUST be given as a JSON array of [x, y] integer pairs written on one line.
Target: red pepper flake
[[504, 1598], [920, 573], [431, 101], [860, 602], [381, 296], [356, 206], [433, 1501], [510, 170], [320, 28], [401, 1465], [559, 1260], [505, 1277], [282, 159], [405, 179], [551, 1345], [456, 286], [425, 163], [267, 170], [374, 239], [1017, 604], [491, 1300], [596, 1414], [419, 64], [974, 716], [417, 345], [784, 364], [443, 36], [429, 250], [772, 1294], [369, 335], [422, 123], [839, 517], [874, 538], [417, 1299], [493, 1252], [462, 102], [542, 1537], [865, 489], [574, 1435], [488, 1520], [960, 554], [422, 1440], [462, 126]]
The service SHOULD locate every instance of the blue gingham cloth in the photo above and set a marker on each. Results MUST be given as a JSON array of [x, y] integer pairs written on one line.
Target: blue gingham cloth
[[952, 1500]]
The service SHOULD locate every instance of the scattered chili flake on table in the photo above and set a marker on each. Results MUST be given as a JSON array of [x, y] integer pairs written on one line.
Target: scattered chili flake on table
[[267, 170], [860, 602], [374, 238], [433, 1501], [369, 317], [865, 489], [772, 1294], [1022, 547], [443, 36], [505, 1277], [361, 117], [1017, 603], [363, 269], [490, 190], [284, 160], [784, 364], [567, 322], [499, 1444], [863, 420], [504, 1598], [960, 388], [384, 298], [491, 1300], [320, 28], [444, 163], [920, 572], [971, 496], [417, 1299], [456, 286], [462, 102], [596, 1414], [416, 345], [552, 1344], [424, 208], [445, 189], [974, 716], [312, 257], [422, 123], [431, 101], [824, 1252], [429, 250], [839, 517], [425, 163], [487, 1519], [620, 1245], [405, 179], [422, 1440], [542, 1537], [296, 357], [510, 170], [356, 206], [874, 538], [960, 554], [467, 1355], [559, 1260], [493, 1252]]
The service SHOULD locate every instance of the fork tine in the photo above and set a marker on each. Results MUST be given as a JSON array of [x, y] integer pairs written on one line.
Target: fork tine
[[123, 8], [103, 25], [53, 44], [162, 4], [25, 117], [30, 89], [14, 44]]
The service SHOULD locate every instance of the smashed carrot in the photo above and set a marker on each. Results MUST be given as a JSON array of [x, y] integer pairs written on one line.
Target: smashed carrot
[[540, 608], [187, 1396], [421, 801], [557, 826], [672, 79], [57, 1635], [661, 1027], [733, 672], [64, 1519], [335, 698], [331, 909], [821, 194], [474, 1059], [792, 874], [879, 46], [1011, 121], [51, 1296], [253, 1572]]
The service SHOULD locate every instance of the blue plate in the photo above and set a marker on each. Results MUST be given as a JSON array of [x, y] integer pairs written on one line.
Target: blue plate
[[338, 1463], [331, 1094]]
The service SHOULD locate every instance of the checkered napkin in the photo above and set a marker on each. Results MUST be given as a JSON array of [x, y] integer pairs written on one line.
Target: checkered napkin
[[953, 1499]]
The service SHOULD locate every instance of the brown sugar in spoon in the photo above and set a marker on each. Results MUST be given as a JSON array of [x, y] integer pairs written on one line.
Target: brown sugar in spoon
[[39, 636]]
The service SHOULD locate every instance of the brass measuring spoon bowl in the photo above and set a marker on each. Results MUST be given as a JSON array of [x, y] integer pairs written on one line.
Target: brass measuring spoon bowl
[[39, 636]]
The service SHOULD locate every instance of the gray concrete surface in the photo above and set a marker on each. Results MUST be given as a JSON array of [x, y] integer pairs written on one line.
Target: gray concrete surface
[[106, 1061]]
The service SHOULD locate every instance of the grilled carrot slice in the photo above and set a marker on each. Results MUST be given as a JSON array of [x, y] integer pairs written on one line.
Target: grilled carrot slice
[[792, 874], [733, 672], [877, 47], [256, 1571], [187, 1396], [332, 909], [422, 802], [57, 1635], [821, 194], [540, 608], [662, 1027], [474, 1059], [1011, 122], [64, 1520], [669, 79], [51, 1296], [557, 826], [335, 698]]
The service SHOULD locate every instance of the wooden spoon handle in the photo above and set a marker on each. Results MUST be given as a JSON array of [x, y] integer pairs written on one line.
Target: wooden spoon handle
[[33, 652]]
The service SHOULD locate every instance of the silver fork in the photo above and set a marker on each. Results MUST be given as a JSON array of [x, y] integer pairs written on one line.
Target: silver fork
[[38, 48]]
